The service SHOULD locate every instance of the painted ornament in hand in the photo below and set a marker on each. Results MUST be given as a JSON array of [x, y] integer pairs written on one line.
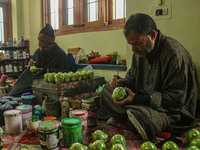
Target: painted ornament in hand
[[119, 93], [33, 69]]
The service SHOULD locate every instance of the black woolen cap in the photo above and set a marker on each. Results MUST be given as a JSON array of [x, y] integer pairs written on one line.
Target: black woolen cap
[[48, 30]]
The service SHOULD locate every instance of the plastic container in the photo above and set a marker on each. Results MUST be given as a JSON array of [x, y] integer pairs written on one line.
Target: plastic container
[[83, 115], [22, 41], [26, 113], [28, 99], [14, 55], [71, 129], [13, 121], [49, 134]]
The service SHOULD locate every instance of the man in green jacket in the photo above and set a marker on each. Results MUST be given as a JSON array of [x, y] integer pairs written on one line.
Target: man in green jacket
[[161, 86]]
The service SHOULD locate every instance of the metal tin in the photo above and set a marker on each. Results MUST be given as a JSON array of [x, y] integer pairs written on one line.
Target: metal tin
[[83, 115], [49, 134], [71, 128]]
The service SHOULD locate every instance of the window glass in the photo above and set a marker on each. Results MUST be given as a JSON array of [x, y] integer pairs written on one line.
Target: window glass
[[119, 9], [1, 25], [54, 14], [91, 10], [68, 12]]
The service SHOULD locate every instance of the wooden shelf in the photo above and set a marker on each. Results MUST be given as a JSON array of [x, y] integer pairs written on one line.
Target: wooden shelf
[[11, 60], [13, 48], [104, 66], [9, 73]]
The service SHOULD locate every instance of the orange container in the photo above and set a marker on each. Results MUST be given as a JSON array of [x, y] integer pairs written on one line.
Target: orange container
[[50, 118], [102, 59]]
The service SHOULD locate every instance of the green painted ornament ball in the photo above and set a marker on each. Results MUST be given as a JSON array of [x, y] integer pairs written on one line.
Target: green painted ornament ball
[[118, 147], [119, 93], [148, 146], [192, 148], [192, 134], [195, 142], [78, 146], [118, 139], [97, 145], [33, 69], [169, 145]]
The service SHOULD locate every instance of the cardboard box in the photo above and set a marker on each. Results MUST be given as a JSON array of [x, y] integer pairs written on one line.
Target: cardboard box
[[73, 51]]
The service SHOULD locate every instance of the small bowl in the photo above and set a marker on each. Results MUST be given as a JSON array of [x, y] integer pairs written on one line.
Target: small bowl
[[32, 125]]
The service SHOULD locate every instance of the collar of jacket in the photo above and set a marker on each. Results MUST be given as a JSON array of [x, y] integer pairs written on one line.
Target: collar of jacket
[[155, 52]]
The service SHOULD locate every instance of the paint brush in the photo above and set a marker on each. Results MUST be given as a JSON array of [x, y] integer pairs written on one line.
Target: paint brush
[[117, 76]]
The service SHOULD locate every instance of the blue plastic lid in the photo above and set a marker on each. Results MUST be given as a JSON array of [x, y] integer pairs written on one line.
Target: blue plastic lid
[[26, 94]]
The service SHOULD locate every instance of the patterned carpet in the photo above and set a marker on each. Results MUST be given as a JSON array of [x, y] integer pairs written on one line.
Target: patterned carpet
[[111, 127]]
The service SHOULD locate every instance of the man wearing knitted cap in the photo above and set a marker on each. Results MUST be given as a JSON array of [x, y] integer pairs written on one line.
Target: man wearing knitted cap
[[49, 57]]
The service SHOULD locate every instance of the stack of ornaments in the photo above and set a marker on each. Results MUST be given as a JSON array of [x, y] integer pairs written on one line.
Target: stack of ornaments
[[90, 106]]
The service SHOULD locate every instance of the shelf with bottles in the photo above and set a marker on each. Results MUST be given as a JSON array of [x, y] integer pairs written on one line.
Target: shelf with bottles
[[12, 68], [8, 55]]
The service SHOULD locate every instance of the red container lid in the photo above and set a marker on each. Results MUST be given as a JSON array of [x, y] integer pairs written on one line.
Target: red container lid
[[50, 118]]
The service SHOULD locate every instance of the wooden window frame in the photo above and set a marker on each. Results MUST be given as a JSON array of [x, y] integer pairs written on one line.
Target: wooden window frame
[[86, 26], [6, 5]]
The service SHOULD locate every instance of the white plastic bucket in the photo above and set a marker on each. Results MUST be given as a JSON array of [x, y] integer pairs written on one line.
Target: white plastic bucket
[[26, 113], [13, 121]]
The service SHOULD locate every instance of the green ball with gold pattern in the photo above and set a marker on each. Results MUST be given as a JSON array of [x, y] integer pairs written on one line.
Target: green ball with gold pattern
[[78, 146], [169, 145], [23, 149], [119, 93], [46, 76], [84, 74], [118, 139], [148, 146], [97, 145], [118, 147], [79, 75], [195, 142], [192, 134], [75, 76], [99, 135], [51, 78], [59, 78], [90, 74], [33, 69], [67, 77], [192, 148]]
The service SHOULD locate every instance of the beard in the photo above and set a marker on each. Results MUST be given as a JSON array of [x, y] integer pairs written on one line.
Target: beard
[[46, 53], [149, 46]]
